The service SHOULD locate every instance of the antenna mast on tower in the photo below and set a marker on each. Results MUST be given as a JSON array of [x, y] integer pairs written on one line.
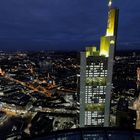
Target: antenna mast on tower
[[110, 4]]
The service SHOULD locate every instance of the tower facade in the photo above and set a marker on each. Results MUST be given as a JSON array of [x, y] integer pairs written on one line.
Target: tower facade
[[138, 81], [96, 76]]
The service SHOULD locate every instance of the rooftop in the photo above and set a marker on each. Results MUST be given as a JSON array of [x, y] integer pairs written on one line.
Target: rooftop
[[93, 134]]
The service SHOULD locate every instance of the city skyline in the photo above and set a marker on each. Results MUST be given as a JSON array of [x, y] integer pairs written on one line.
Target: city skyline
[[64, 25], [59, 70]]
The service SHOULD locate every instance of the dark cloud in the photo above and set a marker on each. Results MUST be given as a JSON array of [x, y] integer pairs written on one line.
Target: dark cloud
[[63, 24]]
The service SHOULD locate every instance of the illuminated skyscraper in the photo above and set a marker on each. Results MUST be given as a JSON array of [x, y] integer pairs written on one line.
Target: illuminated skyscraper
[[138, 80], [96, 76]]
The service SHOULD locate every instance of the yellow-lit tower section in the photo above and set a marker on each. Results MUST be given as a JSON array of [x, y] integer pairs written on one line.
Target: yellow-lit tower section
[[111, 30], [104, 46], [112, 20], [90, 51]]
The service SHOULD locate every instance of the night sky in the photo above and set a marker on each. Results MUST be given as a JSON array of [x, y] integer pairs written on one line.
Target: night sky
[[65, 24]]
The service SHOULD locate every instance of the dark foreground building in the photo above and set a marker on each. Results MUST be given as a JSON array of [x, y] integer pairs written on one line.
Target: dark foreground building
[[125, 117], [93, 134]]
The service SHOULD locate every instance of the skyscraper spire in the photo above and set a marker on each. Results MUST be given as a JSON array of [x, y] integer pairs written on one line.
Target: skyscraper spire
[[110, 3], [112, 20]]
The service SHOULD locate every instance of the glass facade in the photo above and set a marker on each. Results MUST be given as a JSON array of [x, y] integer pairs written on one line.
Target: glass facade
[[94, 134], [95, 89]]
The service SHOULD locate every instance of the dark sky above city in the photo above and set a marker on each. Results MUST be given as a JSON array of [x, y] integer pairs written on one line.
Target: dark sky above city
[[65, 24]]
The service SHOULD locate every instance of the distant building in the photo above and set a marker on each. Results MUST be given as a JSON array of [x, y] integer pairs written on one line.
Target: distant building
[[138, 81], [125, 117], [122, 104], [96, 76]]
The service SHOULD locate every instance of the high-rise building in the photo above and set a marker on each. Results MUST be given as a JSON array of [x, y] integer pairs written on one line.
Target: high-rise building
[[96, 76], [125, 117], [138, 81]]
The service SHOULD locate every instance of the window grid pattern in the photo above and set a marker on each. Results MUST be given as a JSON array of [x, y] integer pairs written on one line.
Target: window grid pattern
[[95, 94]]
